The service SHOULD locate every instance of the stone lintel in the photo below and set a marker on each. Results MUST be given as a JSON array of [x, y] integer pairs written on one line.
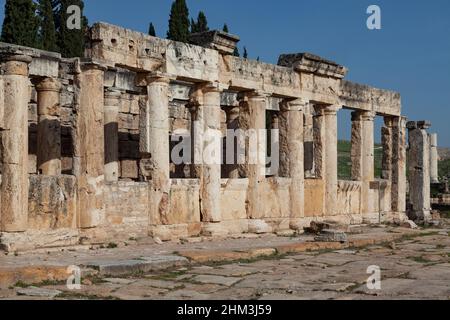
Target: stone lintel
[[310, 63], [221, 41]]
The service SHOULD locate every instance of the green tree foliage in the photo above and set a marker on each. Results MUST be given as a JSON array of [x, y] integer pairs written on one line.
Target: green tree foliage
[[151, 30], [179, 22], [20, 25], [47, 29], [70, 41], [225, 28], [245, 55]]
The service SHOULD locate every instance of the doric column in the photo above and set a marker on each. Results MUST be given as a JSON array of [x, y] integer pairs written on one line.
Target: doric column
[[363, 165], [398, 179], [49, 127], [328, 163], [14, 145], [232, 124], [89, 151], [419, 171], [253, 121], [155, 142], [112, 106], [434, 158], [292, 153]]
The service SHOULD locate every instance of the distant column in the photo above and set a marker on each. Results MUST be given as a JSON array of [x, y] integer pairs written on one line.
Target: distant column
[[14, 145], [49, 127], [434, 158]]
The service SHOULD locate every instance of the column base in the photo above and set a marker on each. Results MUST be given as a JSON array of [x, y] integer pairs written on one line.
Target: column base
[[259, 226]]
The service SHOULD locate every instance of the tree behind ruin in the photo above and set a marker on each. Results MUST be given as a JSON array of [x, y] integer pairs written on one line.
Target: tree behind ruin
[[20, 25], [70, 42], [179, 23], [47, 28]]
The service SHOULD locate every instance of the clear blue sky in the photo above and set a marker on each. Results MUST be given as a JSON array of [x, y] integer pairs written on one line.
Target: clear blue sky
[[411, 54]]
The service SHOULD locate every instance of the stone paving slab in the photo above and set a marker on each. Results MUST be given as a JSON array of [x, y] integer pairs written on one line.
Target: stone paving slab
[[270, 269]]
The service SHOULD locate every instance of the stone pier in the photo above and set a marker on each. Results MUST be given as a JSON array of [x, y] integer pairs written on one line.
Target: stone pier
[[419, 171], [14, 144]]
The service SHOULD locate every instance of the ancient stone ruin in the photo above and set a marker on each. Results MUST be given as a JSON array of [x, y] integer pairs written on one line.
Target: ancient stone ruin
[[85, 143]]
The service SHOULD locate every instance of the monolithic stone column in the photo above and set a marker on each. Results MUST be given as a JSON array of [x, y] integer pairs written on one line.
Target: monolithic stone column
[[14, 145], [155, 142], [112, 105], [419, 171], [398, 180], [292, 153], [434, 158], [49, 127], [253, 121], [233, 124], [211, 167], [363, 165], [329, 158], [89, 145]]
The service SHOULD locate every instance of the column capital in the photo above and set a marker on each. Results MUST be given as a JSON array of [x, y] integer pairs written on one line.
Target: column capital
[[112, 97], [294, 105], [329, 110], [363, 115], [157, 77], [16, 65], [212, 87], [253, 95], [49, 84], [92, 65]]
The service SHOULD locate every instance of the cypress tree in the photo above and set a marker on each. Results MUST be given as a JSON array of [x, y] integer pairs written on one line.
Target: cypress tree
[[70, 42], [225, 28], [151, 30], [194, 27], [20, 25], [202, 22], [179, 22], [236, 52], [47, 29], [245, 55]]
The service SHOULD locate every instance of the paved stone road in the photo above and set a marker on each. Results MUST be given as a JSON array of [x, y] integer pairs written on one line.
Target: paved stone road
[[416, 268]]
